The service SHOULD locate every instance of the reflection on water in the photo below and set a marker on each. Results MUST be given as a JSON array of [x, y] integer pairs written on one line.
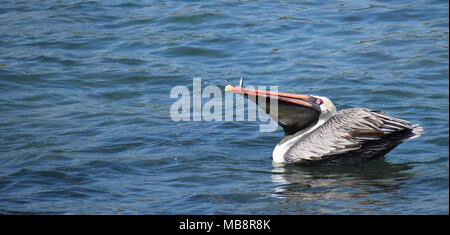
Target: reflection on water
[[369, 183]]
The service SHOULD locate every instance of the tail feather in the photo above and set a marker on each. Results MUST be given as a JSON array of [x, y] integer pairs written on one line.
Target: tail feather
[[416, 132], [393, 125]]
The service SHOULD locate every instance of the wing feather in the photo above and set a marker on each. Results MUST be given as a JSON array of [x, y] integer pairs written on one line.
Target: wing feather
[[347, 131]]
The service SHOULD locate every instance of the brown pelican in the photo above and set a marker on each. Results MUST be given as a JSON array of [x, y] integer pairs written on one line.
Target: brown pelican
[[317, 134]]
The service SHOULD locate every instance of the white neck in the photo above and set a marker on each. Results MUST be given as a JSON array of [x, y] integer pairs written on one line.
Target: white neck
[[281, 149]]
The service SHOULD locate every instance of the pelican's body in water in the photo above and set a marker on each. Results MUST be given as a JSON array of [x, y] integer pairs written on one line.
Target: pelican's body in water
[[317, 134]]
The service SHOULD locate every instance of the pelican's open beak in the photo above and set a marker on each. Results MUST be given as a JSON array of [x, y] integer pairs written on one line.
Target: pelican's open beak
[[293, 112], [303, 100]]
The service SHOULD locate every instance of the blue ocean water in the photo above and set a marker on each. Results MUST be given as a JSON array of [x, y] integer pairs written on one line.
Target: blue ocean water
[[85, 100]]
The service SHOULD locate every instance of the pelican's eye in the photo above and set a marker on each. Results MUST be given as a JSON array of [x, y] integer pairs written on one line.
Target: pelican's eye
[[319, 101]]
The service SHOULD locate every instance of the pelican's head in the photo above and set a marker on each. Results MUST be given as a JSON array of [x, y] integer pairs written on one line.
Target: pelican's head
[[327, 108]]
